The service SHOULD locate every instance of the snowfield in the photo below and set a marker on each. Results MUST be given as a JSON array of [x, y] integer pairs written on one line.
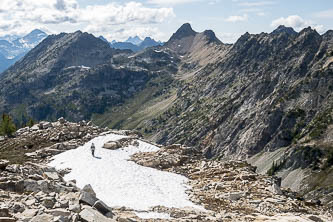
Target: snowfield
[[119, 182]]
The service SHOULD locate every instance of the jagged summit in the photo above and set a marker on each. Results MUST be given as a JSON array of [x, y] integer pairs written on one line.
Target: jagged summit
[[309, 30], [184, 31], [148, 42], [328, 34], [102, 38], [284, 29], [136, 40], [133, 44], [147, 39], [211, 37], [186, 40]]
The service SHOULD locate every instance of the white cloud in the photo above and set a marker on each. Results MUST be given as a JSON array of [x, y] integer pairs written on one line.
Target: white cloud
[[170, 2], [114, 14], [20, 17], [237, 18], [297, 22]]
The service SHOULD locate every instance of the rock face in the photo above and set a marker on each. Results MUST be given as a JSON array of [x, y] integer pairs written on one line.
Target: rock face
[[90, 215], [255, 97], [264, 93], [233, 190]]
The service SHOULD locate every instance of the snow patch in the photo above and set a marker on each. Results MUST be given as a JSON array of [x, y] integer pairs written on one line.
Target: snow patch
[[119, 182], [82, 67]]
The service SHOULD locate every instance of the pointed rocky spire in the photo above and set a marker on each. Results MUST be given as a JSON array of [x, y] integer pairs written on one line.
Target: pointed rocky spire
[[184, 31], [284, 29]]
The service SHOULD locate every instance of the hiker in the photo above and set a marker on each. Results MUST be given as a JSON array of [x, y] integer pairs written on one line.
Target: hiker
[[92, 149]]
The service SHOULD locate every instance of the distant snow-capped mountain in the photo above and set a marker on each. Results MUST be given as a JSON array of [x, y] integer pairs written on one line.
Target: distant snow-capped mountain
[[12, 48], [134, 40], [135, 43]]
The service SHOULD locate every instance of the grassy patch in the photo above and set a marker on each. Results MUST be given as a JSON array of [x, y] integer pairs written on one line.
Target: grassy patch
[[14, 149], [145, 105], [295, 113], [320, 124], [276, 166]]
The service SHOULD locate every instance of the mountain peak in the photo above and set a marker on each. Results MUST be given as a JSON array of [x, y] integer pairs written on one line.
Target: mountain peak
[[136, 40], [211, 37], [147, 39], [184, 31], [35, 35], [308, 30], [284, 29], [102, 38], [37, 31]]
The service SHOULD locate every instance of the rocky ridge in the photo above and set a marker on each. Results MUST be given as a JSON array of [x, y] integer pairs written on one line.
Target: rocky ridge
[[263, 95], [229, 191]]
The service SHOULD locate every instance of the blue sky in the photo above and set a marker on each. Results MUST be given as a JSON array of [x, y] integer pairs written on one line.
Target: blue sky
[[160, 18]]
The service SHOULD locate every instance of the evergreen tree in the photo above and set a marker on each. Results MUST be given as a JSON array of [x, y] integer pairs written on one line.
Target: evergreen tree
[[7, 127], [31, 122]]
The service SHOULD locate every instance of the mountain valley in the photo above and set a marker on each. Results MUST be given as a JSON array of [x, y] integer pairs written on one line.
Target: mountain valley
[[266, 99]]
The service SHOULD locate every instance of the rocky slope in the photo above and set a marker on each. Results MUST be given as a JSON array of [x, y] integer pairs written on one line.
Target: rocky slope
[[229, 191], [70, 75], [265, 94], [233, 189], [33, 191], [266, 98]]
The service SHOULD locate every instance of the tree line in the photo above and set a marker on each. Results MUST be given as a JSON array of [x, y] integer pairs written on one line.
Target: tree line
[[8, 126]]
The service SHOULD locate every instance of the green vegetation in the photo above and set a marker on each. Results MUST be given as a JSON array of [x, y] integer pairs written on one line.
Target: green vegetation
[[276, 166], [7, 127], [320, 123], [30, 123], [295, 113], [145, 105], [312, 156], [297, 117], [14, 150]]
